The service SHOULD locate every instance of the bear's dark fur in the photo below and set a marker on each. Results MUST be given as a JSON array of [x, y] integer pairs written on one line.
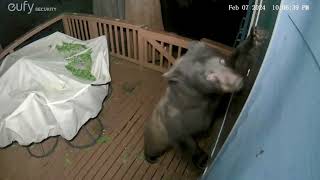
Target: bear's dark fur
[[247, 53], [196, 83]]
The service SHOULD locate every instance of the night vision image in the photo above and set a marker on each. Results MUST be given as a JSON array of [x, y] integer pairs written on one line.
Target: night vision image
[[159, 89]]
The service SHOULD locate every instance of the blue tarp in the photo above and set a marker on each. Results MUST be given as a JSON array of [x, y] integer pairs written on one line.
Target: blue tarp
[[277, 135]]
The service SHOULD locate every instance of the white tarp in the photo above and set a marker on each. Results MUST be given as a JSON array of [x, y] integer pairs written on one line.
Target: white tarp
[[39, 97]]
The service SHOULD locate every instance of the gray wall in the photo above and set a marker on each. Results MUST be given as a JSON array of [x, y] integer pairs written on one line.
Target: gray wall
[[277, 133]]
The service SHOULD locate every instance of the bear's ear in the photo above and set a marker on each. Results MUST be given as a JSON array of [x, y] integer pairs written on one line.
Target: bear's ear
[[171, 76], [253, 30], [192, 44], [195, 46]]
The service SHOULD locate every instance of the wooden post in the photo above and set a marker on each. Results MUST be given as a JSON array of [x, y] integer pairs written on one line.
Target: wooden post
[[128, 42], [179, 52], [86, 30], [141, 48], [116, 39], [123, 51], [73, 28], [161, 55], [83, 37], [135, 44], [153, 55], [170, 53], [76, 23], [66, 25], [111, 38], [93, 30]]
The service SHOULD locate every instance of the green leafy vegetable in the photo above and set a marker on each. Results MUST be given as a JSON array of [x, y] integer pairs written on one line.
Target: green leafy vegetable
[[67, 162], [125, 156], [140, 156], [78, 64], [104, 139], [70, 49]]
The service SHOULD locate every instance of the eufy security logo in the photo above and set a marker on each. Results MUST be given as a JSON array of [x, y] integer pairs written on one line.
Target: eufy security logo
[[27, 7]]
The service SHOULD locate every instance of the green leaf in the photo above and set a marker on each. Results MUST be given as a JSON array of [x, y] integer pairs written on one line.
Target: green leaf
[[79, 65], [70, 49], [67, 162], [140, 156], [125, 157], [104, 139]]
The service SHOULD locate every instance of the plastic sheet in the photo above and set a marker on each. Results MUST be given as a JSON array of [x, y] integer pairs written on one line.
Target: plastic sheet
[[40, 98]]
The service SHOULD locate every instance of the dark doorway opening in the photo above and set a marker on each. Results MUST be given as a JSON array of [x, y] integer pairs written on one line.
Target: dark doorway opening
[[210, 19]]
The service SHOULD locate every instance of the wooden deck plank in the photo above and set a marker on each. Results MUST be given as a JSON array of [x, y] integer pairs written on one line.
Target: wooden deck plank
[[124, 170], [127, 109], [137, 123], [108, 150], [109, 166], [126, 159], [132, 156], [123, 115], [131, 110], [163, 169], [126, 147], [164, 165], [169, 173], [139, 171]]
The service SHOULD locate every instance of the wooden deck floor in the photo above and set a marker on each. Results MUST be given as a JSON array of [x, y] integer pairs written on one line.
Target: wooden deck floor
[[119, 152]]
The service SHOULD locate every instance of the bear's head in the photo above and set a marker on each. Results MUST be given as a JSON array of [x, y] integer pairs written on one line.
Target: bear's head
[[205, 70]]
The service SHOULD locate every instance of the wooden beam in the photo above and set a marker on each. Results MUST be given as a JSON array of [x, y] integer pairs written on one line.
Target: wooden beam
[[166, 37], [165, 53]]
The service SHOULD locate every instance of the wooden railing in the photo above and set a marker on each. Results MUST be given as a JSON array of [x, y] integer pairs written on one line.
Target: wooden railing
[[152, 49], [136, 43], [122, 36], [161, 49]]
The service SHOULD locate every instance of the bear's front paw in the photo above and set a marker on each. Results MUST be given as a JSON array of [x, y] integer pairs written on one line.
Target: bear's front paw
[[151, 159]]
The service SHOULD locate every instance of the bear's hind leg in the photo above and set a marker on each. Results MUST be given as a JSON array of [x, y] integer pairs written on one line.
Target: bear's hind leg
[[190, 146], [154, 147]]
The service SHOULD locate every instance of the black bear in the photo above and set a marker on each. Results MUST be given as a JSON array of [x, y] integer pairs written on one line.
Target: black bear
[[196, 83]]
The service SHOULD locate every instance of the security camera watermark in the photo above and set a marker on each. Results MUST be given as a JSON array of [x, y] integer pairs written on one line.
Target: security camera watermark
[[27, 7]]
